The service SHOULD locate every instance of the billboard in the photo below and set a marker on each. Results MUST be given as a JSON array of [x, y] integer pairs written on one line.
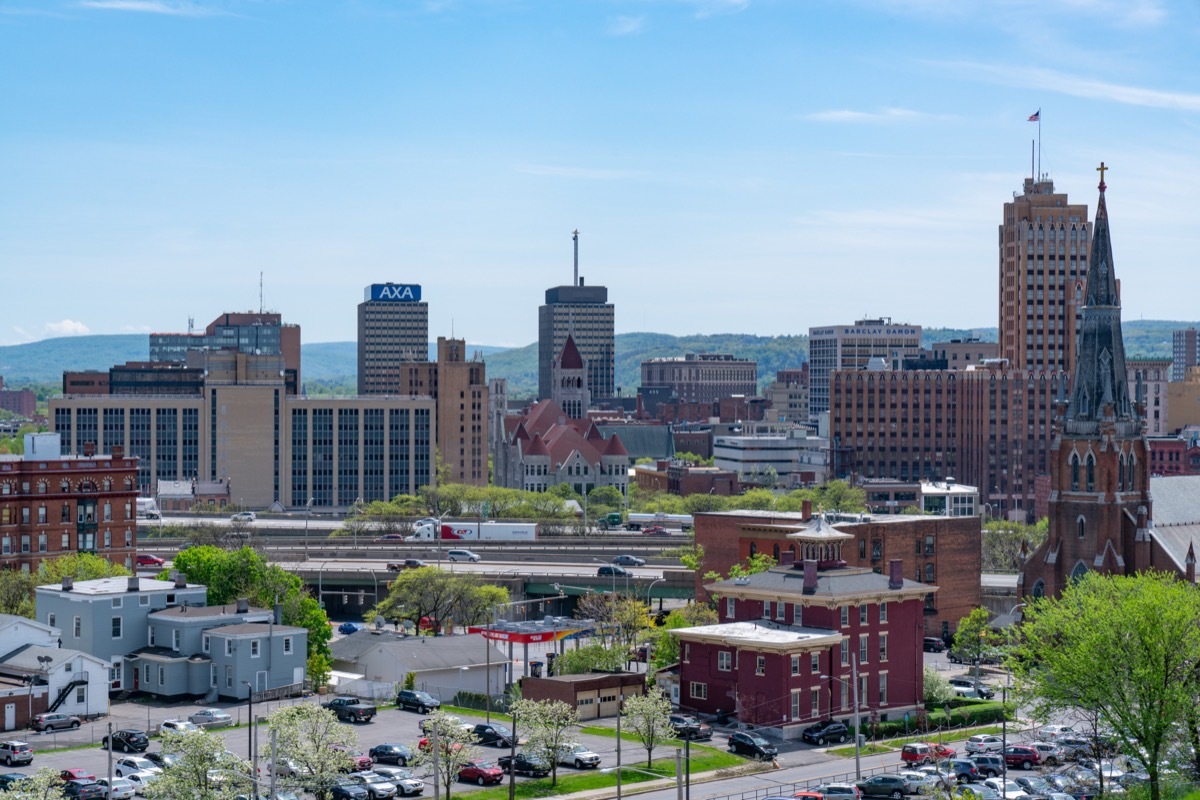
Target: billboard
[[393, 293]]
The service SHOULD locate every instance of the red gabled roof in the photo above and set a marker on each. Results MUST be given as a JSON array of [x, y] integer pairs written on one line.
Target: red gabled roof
[[570, 358], [536, 447], [520, 434], [593, 433], [615, 448]]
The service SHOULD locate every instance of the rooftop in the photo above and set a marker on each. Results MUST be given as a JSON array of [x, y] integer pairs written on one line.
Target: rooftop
[[119, 585]]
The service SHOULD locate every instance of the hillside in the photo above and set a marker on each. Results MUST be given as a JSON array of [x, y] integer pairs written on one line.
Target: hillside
[[334, 364]]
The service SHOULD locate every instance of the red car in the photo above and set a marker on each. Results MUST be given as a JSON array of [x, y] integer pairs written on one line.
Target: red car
[[77, 775], [360, 762], [147, 560], [655, 530], [481, 772]]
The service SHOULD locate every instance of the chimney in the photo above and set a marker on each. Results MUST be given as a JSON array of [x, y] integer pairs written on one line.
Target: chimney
[[810, 576], [279, 613], [806, 510], [243, 605], [89, 449], [895, 574], [117, 451], [180, 580], [135, 584], [68, 583]]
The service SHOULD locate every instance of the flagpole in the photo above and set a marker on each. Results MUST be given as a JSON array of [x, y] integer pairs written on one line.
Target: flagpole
[[1039, 167], [1032, 167]]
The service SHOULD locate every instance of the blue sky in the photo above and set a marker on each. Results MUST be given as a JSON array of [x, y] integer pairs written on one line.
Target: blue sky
[[756, 166]]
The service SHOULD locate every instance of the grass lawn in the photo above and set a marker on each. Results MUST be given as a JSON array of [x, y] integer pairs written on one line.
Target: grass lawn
[[570, 781]]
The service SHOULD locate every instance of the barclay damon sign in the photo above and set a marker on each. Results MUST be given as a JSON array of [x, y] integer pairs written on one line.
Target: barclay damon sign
[[394, 292]]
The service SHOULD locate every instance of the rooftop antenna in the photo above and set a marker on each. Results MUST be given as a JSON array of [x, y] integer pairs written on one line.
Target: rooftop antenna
[[575, 238], [260, 293], [191, 325]]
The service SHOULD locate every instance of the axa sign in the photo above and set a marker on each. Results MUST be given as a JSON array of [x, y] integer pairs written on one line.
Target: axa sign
[[395, 292]]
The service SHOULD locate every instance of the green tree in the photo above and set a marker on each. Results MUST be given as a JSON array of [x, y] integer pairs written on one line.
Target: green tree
[[1004, 541], [700, 503], [317, 667], [1123, 648], [938, 691], [440, 596], [648, 717], [974, 637], [590, 658], [666, 646], [309, 736], [621, 618], [754, 500], [549, 725], [80, 566], [759, 562], [16, 593], [42, 785], [205, 769], [456, 745]]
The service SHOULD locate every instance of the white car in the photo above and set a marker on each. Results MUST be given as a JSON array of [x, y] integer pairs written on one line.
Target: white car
[[179, 725], [1010, 790], [985, 743], [576, 755], [462, 555], [1051, 732], [121, 788], [140, 780], [243, 516], [1052, 754], [377, 786], [919, 782], [210, 716], [405, 781], [125, 765]]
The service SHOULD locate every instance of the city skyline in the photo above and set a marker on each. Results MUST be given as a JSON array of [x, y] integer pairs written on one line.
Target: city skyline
[[731, 164]]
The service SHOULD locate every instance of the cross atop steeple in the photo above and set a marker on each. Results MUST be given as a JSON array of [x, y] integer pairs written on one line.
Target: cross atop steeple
[[1102, 169]]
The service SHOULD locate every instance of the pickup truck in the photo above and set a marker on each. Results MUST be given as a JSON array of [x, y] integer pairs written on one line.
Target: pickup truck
[[350, 709]]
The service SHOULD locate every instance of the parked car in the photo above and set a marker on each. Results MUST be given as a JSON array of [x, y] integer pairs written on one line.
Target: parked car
[[1052, 754], [119, 789], [128, 740], [161, 760], [963, 769], [925, 752], [83, 790], [1010, 790], [348, 791], [985, 743], [989, 764], [688, 727], [1050, 733], [377, 786], [178, 725], [350, 627], [524, 764], [611, 571], [55, 722], [210, 716], [747, 744], [10, 779], [426, 725], [828, 730], [1023, 756], [974, 791], [390, 537], [126, 765], [243, 516], [838, 791], [493, 734], [985, 691], [13, 751], [892, 786], [147, 560], [398, 754], [76, 774], [627, 560], [417, 701], [351, 709], [407, 784], [462, 555], [480, 772], [358, 761], [933, 644], [578, 756], [918, 782], [408, 563]]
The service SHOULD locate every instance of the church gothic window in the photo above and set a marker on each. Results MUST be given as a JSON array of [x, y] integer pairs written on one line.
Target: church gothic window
[[1079, 571], [1080, 526], [1090, 466], [1074, 472]]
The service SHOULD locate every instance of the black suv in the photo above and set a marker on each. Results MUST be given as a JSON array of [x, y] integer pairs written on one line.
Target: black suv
[[83, 790], [963, 768], [493, 734], [829, 730], [989, 765], [128, 740], [398, 754], [892, 786], [748, 744], [687, 727], [611, 571], [15, 752], [524, 765], [417, 701]]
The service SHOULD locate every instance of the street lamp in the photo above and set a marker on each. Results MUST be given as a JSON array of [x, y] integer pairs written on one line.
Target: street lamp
[[250, 729], [650, 588], [857, 714], [307, 513]]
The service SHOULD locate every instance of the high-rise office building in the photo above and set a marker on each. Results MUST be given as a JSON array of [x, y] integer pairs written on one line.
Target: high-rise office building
[[1185, 352], [393, 329], [584, 313], [1043, 266], [701, 377], [867, 344], [247, 332]]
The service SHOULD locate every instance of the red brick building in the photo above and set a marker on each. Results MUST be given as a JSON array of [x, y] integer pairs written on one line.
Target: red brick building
[[1174, 455], [51, 504], [945, 550], [22, 402], [792, 640]]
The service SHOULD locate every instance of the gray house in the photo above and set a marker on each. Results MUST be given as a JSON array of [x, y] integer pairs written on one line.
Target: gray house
[[160, 637], [441, 665]]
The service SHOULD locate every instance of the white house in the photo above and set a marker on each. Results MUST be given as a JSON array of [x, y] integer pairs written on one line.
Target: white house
[[441, 665], [37, 675]]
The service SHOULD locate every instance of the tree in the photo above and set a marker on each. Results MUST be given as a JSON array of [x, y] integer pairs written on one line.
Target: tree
[[16, 593], [666, 646], [648, 717], [759, 562], [620, 618], [319, 745], [591, 658], [974, 636], [456, 746], [317, 667], [429, 592], [1124, 648], [80, 566], [938, 691], [1004, 543], [549, 724], [205, 769], [42, 785]]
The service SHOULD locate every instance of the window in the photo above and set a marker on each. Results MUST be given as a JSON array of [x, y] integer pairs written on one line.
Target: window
[[845, 647], [797, 614], [116, 627], [876, 549], [730, 607], [780, 609], [845, 615], [117, 602], [929, 573], [766, 609], [929, 545], [144, 600], [204, 643], [75, 628], [1079, 525], [687, 651], [862, 690], [175, 639], [863, 642], [698, 690], [724, 661], [845, 698], [162, 676], [254, 648], [814, 665], [883, 689], [229, 647], [146, 674], [796, 705], [150, 635], [212, 675], [228, 676], [862, 614], [50, 619], [760, 665], [815, 694], [41, 515], [883, 637], [287, 645], [883, 611], [795, 665]]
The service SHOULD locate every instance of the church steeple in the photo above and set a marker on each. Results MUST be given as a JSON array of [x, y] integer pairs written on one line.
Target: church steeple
[[1101, 387]]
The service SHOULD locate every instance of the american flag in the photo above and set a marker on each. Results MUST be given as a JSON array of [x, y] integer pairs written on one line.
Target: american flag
[[1036, 116]]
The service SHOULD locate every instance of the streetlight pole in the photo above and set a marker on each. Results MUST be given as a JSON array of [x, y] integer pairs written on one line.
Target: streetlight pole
[[1004, 701], [650, 588], [307, 513], [620, 697], [250, 728], [857, 713]]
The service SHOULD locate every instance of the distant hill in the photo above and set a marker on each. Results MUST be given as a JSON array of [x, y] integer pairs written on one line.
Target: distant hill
[[335, 363]]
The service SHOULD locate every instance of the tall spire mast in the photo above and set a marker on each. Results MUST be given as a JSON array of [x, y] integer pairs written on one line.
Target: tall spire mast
[[575, 238]]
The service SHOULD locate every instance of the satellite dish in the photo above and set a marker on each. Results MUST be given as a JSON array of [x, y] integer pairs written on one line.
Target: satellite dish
[[379, 622]]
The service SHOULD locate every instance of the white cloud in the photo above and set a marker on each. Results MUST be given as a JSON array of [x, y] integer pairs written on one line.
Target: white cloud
[[585, 173], [68, 327], [883, 115], [1047, 79], [625, 26], [174, 8]]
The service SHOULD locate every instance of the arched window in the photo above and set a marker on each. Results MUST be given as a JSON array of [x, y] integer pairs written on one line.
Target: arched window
[[1039, 589], [775, 553], [1090, 466], [753, 548], [1080, 570], [1074, 472], [1081, 527], [1121, 474], [1131, 477]]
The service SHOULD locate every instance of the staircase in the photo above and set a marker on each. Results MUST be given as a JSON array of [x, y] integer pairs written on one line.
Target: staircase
[[77, 680]]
